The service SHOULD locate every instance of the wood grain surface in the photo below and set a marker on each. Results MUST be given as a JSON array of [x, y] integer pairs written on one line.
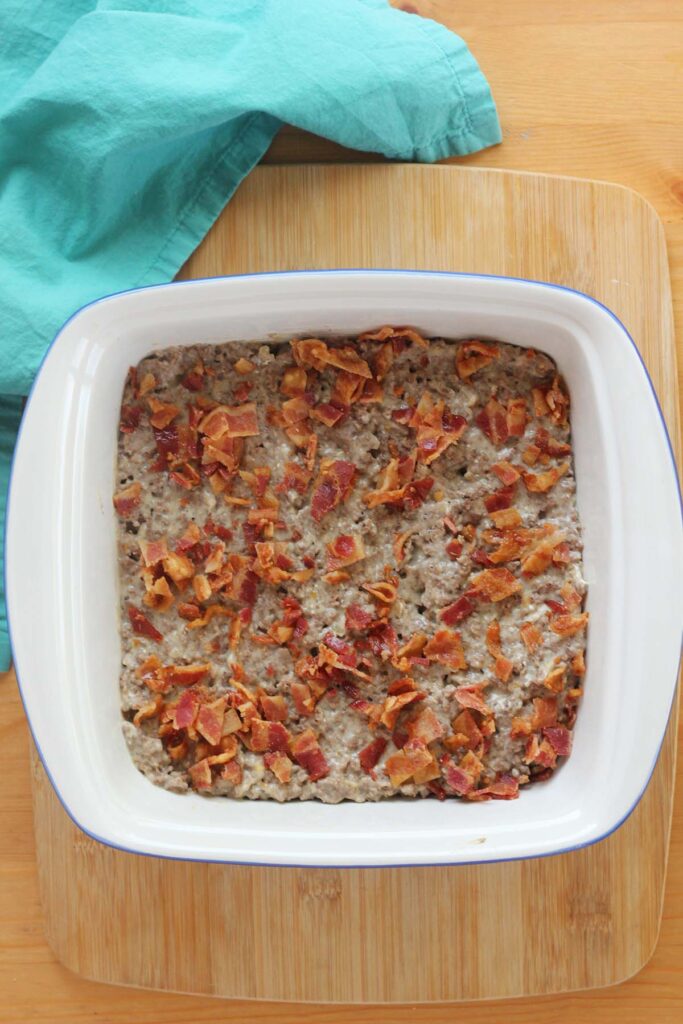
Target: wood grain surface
[[626, 128]]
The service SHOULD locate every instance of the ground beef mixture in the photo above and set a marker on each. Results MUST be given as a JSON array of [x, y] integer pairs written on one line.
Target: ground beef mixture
[[350, 568]]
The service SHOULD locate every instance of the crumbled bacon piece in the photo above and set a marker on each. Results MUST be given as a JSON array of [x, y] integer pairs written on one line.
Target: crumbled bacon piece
[[230, 422], [158, 594], [153, 551], [130, 418], [494, 585], [457, 611], [127, 499], [400, 541], [151, 710], [506, 472], [306, 751], [394, 333], [548, 444], [279, 764], [332, 487], [295, 478], [492, 421], [545, 712], [555, 678], [268, 736], [506, 519], [357, 618], [540, 556], [304, 702], [274, 708], [463, 777], [504, 788], [500, 500], [539, 483], [569, 625], [200, 774], [557, 402], [411, 758], [517, 417], [162, 413], [141, 624], [328, 414], [471, 356], [209, 722], [531, 635], [425, 726], [369, 756], [471, 697], [445, 647], [395, 703], [347, 549], [466, 731], [294, 381], [578, 664]]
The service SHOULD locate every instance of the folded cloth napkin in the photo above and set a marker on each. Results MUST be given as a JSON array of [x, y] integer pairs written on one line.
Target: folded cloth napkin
[[126, 126]]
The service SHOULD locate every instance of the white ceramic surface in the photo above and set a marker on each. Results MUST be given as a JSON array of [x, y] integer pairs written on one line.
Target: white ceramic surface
[[62, 575]]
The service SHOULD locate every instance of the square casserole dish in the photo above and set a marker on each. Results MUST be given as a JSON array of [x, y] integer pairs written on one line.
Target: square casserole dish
[[62, 574]]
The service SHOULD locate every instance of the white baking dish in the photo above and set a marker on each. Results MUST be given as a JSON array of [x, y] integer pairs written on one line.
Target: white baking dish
[[62, 572]]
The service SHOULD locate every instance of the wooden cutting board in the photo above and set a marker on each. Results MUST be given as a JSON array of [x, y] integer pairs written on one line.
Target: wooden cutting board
[[579, 920]]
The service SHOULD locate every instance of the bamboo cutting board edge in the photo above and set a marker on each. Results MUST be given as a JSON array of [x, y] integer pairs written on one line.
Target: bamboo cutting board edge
[[262, 200]]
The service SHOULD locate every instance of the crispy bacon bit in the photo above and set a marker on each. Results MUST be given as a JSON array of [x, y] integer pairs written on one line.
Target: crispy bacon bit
[[306, 751], [274, 708], [545, 712], [539, 483], [400, 541], [141, 624], [151, 710], [163, 413], [504, 788], [506, 519], [244, 366], [178, 567], [394, 334], [147, 384], [369, 756], [557, 402], [153, 551], [506, 473], [466, 730], [425, 726], [472, 356], [230, 422], [159, 594], [494, 585], [395, 703], [232, 773], [383, 361], [304, 701], [541, 407], [194, 378], [530, 455], [268, 736], [344, 550], [578, 664], [462, 778], [445, 647], [328, 414], [500, 500], [531, 635], [492, 421], [200, 774], [560, 739], [210, 613], [127, 499], [457, 611], [517, 417], [569, 625], [357, 619], [555, 679], [295, 478], [541, 555], [336, 577], [209, 722], [548, 444], [332, 487], [562, 554], [411, 758], [279, 764], [471, 697], [293, 381], [130, 418], [384, 593]]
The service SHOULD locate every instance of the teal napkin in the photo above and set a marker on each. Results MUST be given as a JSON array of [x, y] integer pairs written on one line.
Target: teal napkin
[[126, 126]]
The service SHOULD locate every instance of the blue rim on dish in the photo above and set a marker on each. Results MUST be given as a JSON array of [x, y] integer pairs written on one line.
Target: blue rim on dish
[[322, 273]]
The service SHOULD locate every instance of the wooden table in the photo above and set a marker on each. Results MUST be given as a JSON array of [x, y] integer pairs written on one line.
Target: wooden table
[[585, 89]]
